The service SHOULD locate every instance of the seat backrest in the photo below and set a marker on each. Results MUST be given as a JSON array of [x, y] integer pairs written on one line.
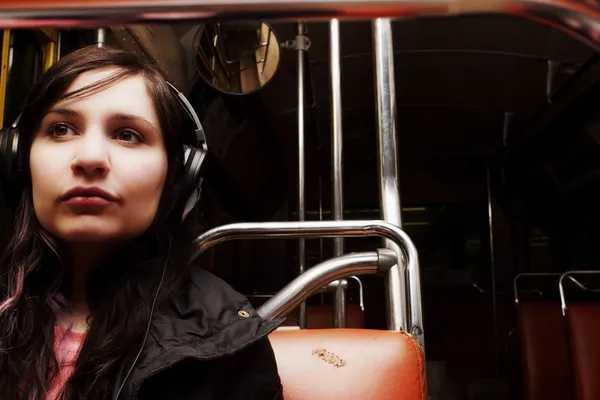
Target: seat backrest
[[470, 352], [584, 339], [349, 364], [544, 346]]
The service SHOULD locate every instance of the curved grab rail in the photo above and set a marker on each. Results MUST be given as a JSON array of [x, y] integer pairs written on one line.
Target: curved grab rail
[[578, 18], [318, 229], [298, 290], [563, 300], [319, 290], [481, 290], [515, 290], [360, 292], [582, 286], [333, 287]]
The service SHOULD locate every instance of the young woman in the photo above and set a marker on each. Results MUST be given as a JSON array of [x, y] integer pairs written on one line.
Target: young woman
[[97, 299]]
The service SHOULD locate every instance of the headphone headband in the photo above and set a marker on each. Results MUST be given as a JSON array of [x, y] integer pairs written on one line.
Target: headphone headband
[[187, 106]]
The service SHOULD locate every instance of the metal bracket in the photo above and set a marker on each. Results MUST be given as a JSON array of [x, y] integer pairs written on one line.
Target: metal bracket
[[302, 42]]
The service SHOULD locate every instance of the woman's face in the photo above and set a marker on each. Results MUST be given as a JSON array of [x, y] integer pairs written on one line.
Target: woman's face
[[98, 163]]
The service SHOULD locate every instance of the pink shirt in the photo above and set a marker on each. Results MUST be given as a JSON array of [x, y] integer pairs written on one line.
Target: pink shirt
[[66, 346]]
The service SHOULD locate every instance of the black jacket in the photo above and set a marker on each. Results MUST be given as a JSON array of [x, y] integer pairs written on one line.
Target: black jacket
[[209, 344]]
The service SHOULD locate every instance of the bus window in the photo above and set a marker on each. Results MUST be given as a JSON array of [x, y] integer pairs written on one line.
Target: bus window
[[25, 64]]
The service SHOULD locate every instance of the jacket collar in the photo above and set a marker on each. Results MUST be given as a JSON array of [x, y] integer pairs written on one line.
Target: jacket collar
[[208, 320]]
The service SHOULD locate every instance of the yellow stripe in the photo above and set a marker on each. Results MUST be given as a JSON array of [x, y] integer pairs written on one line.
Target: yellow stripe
[[49, 54], [4, 70], [50, 37]]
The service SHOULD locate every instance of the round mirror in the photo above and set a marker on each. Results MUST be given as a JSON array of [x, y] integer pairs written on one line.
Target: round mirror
[[236, 57]]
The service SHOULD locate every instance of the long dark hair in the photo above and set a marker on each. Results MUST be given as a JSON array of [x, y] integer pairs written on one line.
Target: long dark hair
[[119, 293]]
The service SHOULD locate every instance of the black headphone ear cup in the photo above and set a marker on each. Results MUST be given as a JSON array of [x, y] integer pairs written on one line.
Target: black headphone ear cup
[[11, 168], [193, 162], [5, 166]]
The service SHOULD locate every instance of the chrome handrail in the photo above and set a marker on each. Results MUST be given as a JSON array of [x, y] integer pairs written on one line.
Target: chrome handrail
[[361, 298], [563, 300], [582, 286], [322, 229], [538, 274], [298, 290]]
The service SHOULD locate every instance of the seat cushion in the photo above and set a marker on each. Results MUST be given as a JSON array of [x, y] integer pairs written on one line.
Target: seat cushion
[[546, 367], [584, 333], [349, 364]]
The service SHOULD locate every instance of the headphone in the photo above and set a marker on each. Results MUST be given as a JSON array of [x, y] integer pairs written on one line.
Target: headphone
[[11, 169]]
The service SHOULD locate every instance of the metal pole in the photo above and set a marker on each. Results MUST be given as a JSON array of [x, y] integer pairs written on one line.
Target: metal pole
[[320, 209], [371, 262], [301, 50], [336, 131], [493, 269], [59, 40], [389, 191], [339, 303], [320, 188], [101, 37]]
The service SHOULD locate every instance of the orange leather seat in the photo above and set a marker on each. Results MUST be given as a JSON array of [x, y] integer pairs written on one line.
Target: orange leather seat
[[546, 368], [349, 364], [584, 337]]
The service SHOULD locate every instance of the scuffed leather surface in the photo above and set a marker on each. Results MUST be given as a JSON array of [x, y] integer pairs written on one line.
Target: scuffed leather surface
[[584, 336], [379, 365], [544, 346]]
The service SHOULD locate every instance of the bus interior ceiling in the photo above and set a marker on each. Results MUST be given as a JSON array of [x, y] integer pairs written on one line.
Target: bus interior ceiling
[[483, 102]]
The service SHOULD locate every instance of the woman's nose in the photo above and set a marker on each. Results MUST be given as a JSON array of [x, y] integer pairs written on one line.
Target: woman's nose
[[92, 156]]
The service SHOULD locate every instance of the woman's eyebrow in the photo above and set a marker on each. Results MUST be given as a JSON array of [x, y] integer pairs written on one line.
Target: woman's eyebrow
[[131, 117], [65, 111]]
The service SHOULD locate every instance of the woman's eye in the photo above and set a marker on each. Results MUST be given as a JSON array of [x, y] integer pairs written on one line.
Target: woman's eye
[[128, 136], [58, 130]]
